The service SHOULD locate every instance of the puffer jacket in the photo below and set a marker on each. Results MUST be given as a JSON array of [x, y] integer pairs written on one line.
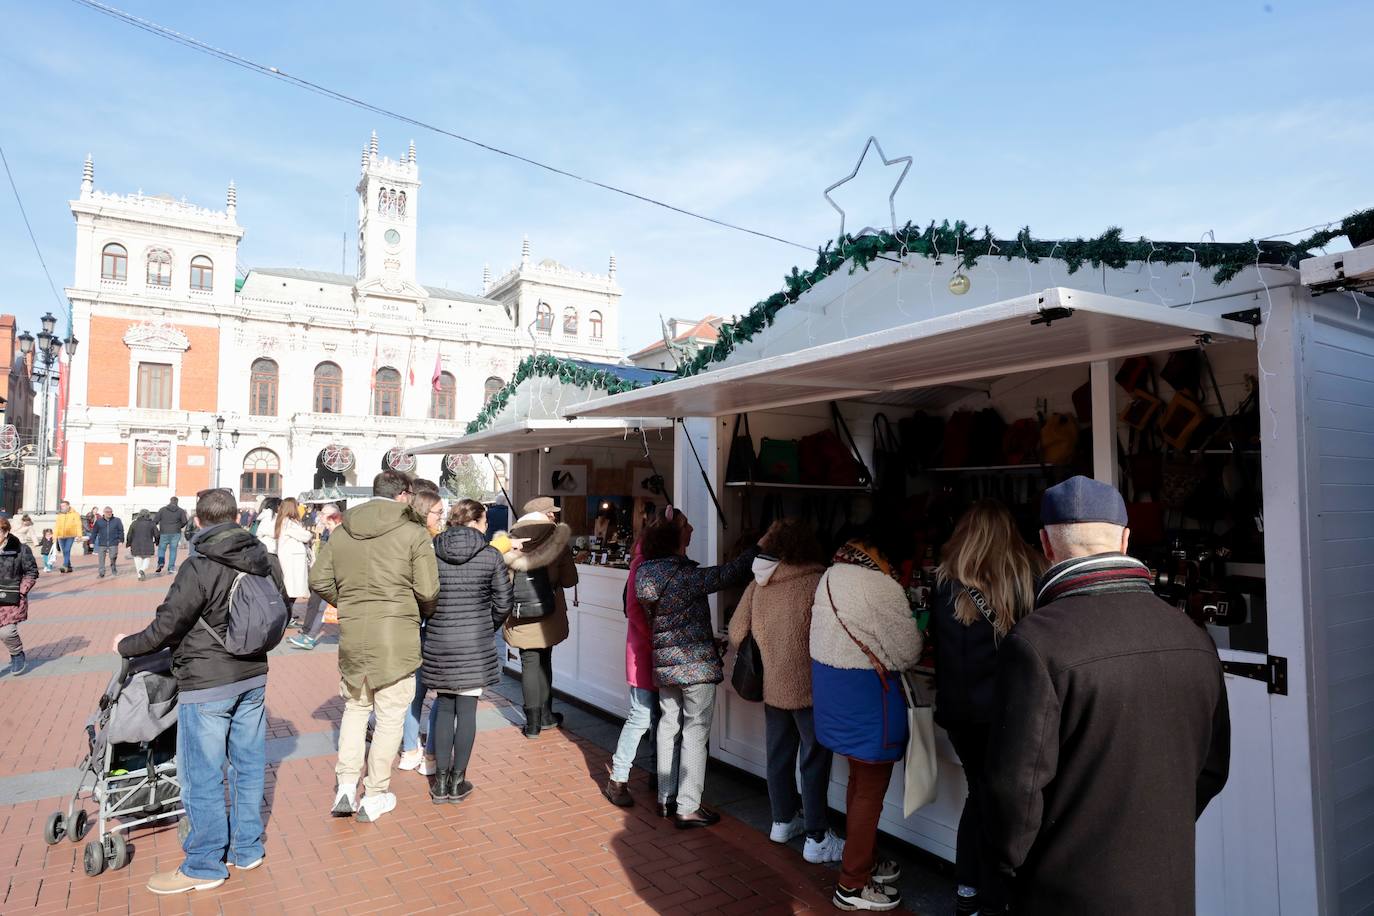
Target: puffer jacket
[[859, 714], [378, 569], [67, 525], [550, 554], [673, 590], [17, 564], [776, 609], [459, 650], [201, 589]]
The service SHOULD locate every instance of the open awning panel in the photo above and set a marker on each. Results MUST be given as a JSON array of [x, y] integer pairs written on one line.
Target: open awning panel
[[1054, 328], [532, 434]]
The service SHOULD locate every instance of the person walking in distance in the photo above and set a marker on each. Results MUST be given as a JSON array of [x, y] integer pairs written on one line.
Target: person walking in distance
[[293, 550], [142, 542], [18, 575], [27, 532], [222, 713], [329, 518], [1110, 730], [107, 534], [985, 584], [67, 528], [171, 520], [379, 570], [459, 647]]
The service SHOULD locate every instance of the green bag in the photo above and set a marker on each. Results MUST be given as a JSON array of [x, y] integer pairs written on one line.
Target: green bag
[[779, 461]]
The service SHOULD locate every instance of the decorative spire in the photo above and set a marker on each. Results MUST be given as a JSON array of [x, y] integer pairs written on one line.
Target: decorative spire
[[87, 177], [612, 270], [363, 164], [525, 250], [486, 277], [372, 146], [411, 155], [231, 201]]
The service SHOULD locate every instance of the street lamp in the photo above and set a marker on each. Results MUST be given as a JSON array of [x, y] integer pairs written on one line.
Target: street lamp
[[46, 363], [219, 442]]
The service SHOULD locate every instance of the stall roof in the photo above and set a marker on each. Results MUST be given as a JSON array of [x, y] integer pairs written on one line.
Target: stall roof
[[1053, 328], [528, 434]]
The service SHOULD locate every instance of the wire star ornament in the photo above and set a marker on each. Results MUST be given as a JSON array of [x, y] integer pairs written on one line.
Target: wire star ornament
[[891, 198]]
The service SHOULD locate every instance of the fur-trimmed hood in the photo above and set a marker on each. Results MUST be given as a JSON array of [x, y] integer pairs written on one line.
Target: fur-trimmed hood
[[546, 553]]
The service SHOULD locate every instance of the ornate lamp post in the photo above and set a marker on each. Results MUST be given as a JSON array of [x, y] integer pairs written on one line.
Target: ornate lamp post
[[219, 442], [46, 365]]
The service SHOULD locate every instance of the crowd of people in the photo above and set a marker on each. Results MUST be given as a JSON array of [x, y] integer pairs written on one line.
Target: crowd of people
[[1039, 656]]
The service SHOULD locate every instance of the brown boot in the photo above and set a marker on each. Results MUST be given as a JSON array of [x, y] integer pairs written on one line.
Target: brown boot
[[618, 793]]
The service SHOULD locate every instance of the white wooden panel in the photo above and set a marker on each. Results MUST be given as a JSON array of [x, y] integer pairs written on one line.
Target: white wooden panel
[[590, 665]]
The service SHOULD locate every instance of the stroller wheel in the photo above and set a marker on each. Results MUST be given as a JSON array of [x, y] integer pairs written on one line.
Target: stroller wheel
[[55, 828], [76, 827], [94, 859], [118, 851]]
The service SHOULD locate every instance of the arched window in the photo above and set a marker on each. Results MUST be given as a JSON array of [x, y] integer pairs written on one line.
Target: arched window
[[544, 318], [261, 474], [570, 322], [443, 398], [493, 385], [262, 388], [202, 273], [328, 388], [386, 393], [160, 268], [597, 327], [498, 467], [114, 263]]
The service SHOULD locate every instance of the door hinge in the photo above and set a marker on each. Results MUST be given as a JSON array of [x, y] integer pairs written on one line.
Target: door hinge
[[1050, 315], [1273, 672], [1249, 316]]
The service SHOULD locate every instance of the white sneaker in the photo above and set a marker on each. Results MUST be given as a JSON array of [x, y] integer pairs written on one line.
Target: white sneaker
[[873, 898], [345, 801], [375, 805], [427, 766], [783, 832], [829, 848], [410, 759]]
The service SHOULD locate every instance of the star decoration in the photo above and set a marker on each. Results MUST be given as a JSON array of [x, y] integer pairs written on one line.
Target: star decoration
[[891, 205]]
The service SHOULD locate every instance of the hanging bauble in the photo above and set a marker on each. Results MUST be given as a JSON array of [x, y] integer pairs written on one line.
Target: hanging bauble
[[959, 284]]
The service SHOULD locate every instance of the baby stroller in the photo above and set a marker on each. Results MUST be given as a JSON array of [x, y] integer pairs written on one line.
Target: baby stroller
[[131, 765]]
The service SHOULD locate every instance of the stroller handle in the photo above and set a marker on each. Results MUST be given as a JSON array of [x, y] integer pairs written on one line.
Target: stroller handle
[[160, 661]]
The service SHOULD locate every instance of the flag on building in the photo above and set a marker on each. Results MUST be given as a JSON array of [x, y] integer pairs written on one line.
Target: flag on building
[[435, 380], [410, 364], [375, 344]]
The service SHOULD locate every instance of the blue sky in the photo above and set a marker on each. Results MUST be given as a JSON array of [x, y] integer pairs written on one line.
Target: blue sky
[[1168, 119]]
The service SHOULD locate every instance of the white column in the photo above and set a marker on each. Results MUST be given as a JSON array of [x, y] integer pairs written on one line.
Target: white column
[[1104, 422]]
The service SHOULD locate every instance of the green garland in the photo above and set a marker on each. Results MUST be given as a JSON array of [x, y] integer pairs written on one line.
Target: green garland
[[548, 366]]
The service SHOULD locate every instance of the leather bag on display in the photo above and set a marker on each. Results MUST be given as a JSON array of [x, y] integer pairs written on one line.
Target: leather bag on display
[[743, 461], [779, 461], [958, 439], [922, 438], [1021, 443], [1059, 439], [988, 430], [889, 464]]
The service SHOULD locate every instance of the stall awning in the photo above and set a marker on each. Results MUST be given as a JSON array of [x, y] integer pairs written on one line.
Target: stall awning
[[1054, 328], [528, 434]]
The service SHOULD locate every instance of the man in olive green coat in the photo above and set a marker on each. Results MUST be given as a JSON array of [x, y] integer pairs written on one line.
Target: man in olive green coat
[[378, 569]]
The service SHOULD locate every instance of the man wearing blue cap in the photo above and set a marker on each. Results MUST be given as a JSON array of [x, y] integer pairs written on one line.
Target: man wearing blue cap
[[1111, 730]]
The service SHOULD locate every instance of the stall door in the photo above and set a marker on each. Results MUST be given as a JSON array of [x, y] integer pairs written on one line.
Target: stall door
[[1237, 857]]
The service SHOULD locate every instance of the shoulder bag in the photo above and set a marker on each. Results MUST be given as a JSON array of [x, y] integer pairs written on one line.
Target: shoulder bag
[[747, 676], [743, 460]]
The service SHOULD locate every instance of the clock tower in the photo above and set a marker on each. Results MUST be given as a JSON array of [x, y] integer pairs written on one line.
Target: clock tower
[[388, 198]]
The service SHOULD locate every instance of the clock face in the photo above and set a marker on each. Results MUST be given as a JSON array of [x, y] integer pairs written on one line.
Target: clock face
[[393, 238]]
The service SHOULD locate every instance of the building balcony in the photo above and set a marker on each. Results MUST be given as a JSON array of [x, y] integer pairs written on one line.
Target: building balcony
[[356, 424]]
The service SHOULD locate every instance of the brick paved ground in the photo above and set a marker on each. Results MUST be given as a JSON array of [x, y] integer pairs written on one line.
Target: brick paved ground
[[536, 836]]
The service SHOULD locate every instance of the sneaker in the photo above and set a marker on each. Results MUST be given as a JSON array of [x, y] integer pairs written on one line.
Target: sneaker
[[874, 897], [174, 882], [303, 642], [250, 866], [784, 831], [966, 905], [345, 801], [886, 871], [18, 664], [375, 805], [828, 848], [427, 766], [142, 575], [411, 759]]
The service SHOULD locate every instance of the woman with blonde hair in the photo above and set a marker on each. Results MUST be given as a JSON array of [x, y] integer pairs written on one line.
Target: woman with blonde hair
[[985, 584]]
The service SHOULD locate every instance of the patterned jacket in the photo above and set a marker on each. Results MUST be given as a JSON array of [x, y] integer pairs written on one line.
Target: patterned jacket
[[673, 592]]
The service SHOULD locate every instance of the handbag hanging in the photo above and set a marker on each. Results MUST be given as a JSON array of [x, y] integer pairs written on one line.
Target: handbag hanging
[[779, 461], [922, 437], [889, 465], [920, 769], [743, 460], [747, 676]]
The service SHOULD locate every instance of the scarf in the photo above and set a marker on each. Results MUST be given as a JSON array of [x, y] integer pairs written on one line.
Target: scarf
[[857, 553], [1101, 574]]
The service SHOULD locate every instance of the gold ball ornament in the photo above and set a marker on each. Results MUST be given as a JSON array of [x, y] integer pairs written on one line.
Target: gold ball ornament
[[959, 284]]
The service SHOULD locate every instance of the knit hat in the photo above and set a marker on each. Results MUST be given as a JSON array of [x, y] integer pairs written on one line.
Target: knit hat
[[858, 553]]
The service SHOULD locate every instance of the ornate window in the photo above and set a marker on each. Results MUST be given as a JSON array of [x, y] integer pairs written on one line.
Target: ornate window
[[493, 385], [202, 273], [544, 318], [261, 474], [114, 262], [160, 268], [401, 204], [386, 393], [442, 400], [152, 460], [597, 326], [498, 467], [570, 322], [262, 388], [154, 386], [328, 388]]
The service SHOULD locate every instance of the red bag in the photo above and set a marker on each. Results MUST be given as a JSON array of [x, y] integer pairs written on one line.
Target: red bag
[[1021, 443], [959, 439], [826, 460]]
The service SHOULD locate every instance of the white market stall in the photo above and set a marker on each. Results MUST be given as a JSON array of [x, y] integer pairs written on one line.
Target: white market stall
[[1293, 832]]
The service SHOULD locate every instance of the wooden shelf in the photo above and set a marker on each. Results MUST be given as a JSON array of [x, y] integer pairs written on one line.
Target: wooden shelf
[[764, 485], [984, 468]]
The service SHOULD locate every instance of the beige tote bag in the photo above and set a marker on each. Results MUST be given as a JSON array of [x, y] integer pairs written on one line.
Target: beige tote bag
[[922, 770]]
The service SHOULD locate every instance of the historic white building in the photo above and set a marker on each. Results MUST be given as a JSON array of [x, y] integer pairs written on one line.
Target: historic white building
[[321, 375]]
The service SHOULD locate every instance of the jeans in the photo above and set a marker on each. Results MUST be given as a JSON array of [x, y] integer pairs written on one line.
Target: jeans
[[410, 735], [536, 677], [390, 702], [66, 545], [789, 732], [454, 720], [863, 806], [690, 711], [209, 736], [973, 858], [643, 706], [167, 544], [112, 551]]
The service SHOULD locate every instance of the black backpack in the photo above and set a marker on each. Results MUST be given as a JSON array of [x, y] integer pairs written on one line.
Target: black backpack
[[534, 598]]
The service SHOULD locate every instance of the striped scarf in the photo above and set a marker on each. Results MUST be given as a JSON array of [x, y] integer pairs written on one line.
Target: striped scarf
[[1101, 574]]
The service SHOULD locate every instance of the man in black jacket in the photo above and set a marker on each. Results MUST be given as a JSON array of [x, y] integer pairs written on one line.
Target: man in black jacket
[[1111, 730], [221, 716], [171, 519]]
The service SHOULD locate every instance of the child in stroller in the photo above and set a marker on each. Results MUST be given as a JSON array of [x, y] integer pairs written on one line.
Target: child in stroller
[[131, 765]]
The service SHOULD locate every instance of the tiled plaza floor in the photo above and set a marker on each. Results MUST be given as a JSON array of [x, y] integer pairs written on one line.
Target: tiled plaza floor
[[535, 837]]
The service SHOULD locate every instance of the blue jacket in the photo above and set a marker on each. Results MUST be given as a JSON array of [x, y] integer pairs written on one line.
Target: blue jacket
[[107, 532], [854, 714]]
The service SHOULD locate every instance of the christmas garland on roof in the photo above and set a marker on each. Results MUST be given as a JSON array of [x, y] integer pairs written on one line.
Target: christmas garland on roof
[[546, 365]]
